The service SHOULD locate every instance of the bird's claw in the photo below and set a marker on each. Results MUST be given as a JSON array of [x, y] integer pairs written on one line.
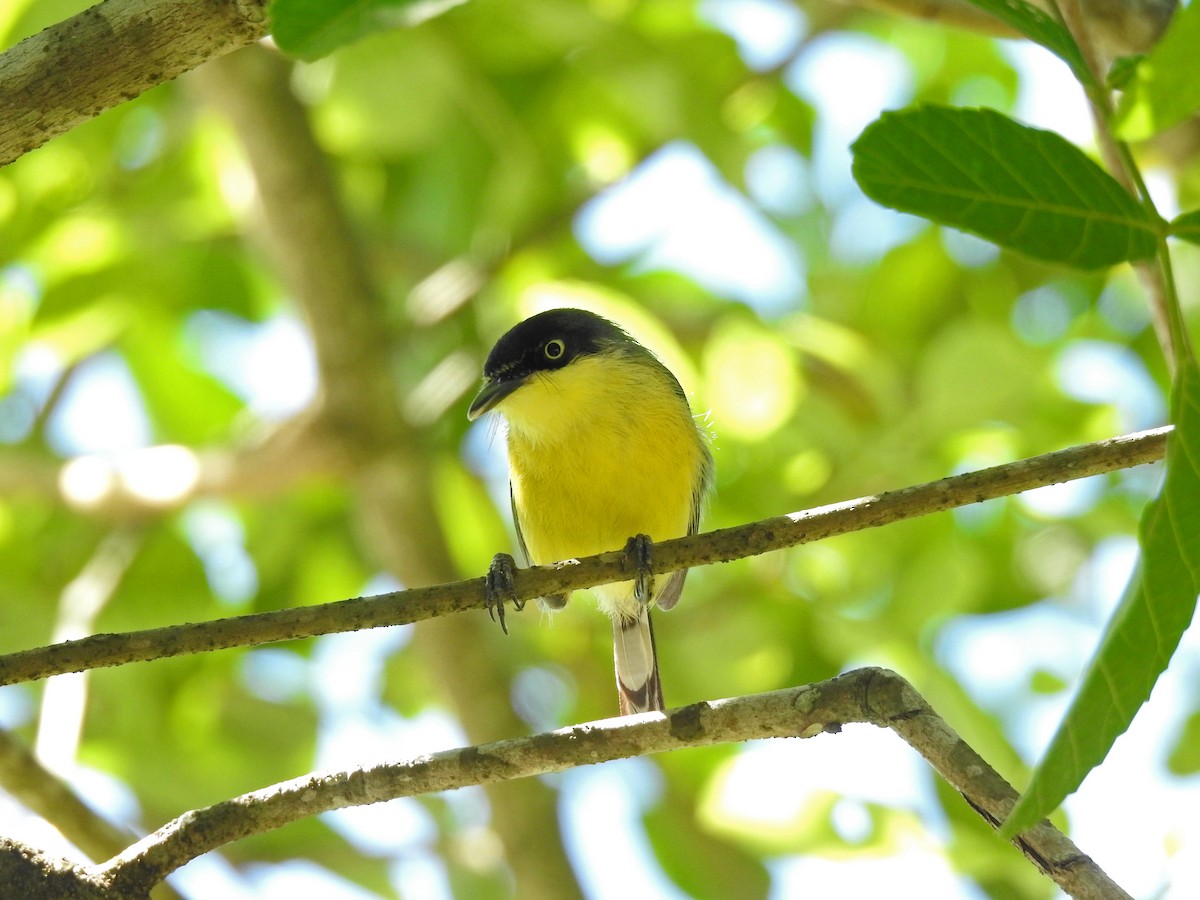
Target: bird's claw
[[638, 557], [498, 588]]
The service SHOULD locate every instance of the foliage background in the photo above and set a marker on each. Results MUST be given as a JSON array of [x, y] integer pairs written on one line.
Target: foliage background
[[152, 294]]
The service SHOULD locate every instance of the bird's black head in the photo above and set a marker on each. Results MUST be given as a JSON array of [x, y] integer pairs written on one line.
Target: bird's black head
[[542, 343]]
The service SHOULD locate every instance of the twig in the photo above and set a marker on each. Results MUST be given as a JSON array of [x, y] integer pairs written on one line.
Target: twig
[[725, 545]]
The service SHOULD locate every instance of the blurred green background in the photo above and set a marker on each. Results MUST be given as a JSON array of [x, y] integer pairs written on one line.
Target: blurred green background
[[241, 318]]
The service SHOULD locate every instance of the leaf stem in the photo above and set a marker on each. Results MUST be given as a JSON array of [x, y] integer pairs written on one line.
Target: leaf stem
[[1157, 276]]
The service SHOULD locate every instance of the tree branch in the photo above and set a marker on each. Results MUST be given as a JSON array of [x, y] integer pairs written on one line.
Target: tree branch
[[110, 53], [873, 696], [43, 792], [724, 545]]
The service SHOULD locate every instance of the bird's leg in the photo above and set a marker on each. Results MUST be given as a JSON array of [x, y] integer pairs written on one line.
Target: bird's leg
[[498, 588], [637, 557]]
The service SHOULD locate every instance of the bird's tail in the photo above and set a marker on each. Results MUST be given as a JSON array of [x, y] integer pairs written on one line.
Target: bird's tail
[[639, 689]]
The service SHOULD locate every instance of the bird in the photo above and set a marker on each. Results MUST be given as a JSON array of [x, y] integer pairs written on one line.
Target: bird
[[604, 453]]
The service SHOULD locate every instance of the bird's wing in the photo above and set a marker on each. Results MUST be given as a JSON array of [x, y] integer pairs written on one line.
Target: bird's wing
[[554, 601], [669, 595], [512, 500]]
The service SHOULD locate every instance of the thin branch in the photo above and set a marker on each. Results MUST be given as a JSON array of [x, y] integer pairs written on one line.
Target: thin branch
[[875, 696], [725, 545]]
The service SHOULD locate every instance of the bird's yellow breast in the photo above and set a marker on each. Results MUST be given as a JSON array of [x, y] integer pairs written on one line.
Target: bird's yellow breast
[[599, 451]]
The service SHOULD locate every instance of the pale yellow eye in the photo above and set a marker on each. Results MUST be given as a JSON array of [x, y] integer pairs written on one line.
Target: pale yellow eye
[[554, 349]]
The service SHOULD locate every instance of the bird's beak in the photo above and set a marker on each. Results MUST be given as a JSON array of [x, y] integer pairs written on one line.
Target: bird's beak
[[491, 394]]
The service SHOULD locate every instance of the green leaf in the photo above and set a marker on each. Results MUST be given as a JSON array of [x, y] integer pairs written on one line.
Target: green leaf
[[310, 29], [1165, 88], [1041, 28], [1023, 188], [1185, 757], [1123, 71], [1146, 628], [1187, 227]]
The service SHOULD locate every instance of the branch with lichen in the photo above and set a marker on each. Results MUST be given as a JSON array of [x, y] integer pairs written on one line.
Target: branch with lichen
[[873, 696]]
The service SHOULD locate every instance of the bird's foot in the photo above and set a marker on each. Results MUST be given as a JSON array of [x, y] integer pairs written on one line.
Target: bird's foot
[[498, 588], [638, 556]]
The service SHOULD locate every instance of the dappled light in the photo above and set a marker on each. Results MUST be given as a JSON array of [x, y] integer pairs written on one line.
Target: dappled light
[[242, 316]]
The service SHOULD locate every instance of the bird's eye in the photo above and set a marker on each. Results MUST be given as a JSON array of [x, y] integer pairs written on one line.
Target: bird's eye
[[554, 349]]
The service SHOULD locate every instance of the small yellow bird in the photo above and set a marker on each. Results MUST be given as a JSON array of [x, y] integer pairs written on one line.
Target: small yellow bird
[[603, 453]]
